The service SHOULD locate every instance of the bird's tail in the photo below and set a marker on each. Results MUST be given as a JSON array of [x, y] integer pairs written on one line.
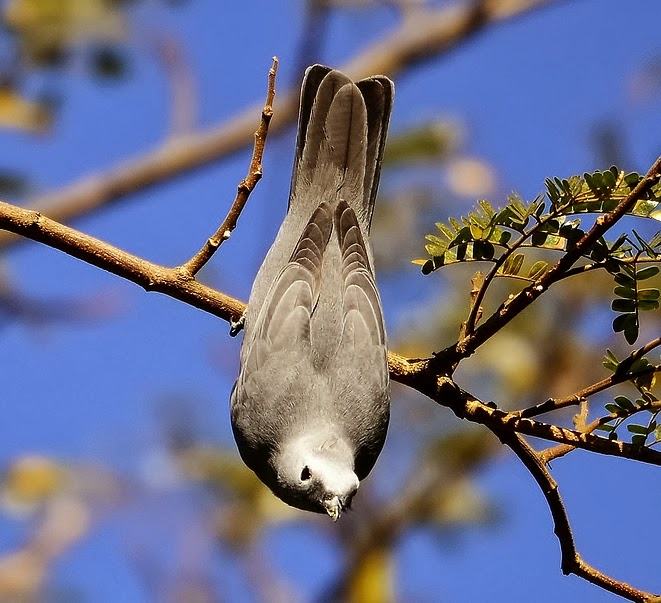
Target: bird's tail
[[342, 131]]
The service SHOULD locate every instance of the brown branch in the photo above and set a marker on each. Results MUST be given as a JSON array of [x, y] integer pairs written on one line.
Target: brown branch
[[420, 39], [571, 560], [418, 374], [555, 452], [151, 277], [246, 186]]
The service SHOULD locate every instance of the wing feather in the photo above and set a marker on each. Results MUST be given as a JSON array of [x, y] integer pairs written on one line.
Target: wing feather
[[283, 322], [363, 320]]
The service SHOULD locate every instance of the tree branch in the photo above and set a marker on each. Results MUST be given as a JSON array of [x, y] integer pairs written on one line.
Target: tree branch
[[413, 41], [571, 560], [246, 186], [173, 282]]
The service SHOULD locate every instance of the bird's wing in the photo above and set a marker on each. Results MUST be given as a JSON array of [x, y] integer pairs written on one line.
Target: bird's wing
[[283, 322], [362, 325]]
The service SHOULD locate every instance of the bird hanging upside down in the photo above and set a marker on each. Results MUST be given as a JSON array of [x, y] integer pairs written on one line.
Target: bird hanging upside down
[[310, 407]]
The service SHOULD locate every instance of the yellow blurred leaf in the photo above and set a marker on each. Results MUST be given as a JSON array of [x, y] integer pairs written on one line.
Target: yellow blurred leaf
[[19, 113], [30, 481], [47, 27], [372, 580]]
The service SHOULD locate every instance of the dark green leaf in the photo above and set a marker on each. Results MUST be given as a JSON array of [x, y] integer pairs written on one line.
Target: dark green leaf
[[646, 305], [625, 403], [624, 279], [626, 292], [624, 322], [647, 272], [641, 429], [605, 427], [623, 305], [647, 294], [631, 334], [638, 440]]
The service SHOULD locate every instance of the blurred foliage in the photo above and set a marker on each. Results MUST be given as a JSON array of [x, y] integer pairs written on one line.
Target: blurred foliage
[[49, 35], [426, 142]]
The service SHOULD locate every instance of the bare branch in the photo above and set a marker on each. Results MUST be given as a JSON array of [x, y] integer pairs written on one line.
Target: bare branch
[[152, 277], [571, 560], [413, 41], [419, 375], [247, 185]]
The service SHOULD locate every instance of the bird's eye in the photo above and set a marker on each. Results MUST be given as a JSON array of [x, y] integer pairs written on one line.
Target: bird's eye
[[306, 474]]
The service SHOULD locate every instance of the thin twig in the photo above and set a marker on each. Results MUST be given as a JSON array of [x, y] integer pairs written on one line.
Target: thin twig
[[571, 560], [555, 452], [246, 186], [621, 375]]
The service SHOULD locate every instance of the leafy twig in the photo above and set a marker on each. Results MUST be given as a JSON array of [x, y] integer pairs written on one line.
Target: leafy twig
[[619, 376], [519, 302]]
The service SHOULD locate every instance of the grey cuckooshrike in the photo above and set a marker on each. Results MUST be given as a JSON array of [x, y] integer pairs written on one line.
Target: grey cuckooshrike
[[310, 407]]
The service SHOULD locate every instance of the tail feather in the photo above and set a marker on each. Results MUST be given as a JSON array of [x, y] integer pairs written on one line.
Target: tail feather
[[341, 135]]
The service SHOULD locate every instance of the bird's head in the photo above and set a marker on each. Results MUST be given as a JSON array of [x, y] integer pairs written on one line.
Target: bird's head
[[316, 474]]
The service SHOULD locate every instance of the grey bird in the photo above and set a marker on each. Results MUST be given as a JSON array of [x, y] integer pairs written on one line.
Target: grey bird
[[311, 405]]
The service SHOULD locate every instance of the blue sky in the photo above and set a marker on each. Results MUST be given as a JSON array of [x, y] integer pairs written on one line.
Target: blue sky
[[529, 93]]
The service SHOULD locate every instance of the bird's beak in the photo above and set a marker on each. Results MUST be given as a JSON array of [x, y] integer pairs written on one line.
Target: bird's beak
[[333, 507]]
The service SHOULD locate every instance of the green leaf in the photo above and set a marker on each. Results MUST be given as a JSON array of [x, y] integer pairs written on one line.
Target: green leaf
[[513, 264], [624, 279], [537, 269], [657, 434], [483, 250], [646, 273], [631, 334], [648, 294], [428, 267], [605, 427], [640, 429], [610, 360], [624, 322], [625, 403], [626, 292], [639, 440], [623, 305], [646, 305]]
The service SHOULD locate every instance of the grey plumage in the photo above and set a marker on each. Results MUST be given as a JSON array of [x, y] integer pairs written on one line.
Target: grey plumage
[[310, 407]]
